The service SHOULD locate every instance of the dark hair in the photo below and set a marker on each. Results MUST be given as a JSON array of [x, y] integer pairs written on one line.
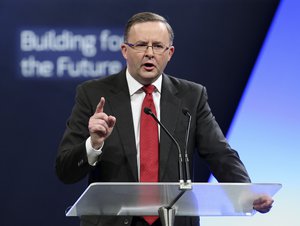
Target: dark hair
[[147, 17]]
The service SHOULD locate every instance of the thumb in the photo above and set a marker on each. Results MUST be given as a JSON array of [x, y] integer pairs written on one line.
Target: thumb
[[111, 121], [100, 105]]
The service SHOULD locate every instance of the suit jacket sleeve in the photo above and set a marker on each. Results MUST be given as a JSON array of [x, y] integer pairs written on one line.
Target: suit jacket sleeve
[[117, 161], [223, 161], [71, 162], [205, 134]]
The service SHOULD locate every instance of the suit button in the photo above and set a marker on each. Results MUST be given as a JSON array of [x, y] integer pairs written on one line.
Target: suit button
[[80, 162], [126, 221]]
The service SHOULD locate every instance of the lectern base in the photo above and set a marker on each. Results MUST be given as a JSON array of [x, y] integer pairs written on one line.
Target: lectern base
[[167, 216]]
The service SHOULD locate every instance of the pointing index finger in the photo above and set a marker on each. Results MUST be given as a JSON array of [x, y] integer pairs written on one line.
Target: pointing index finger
[[100, 105]]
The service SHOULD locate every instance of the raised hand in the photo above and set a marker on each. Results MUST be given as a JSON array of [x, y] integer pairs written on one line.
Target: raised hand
[[100, 125]]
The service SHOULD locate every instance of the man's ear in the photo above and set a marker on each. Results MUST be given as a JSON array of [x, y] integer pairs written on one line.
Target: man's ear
[[171, 51], [124, 51]]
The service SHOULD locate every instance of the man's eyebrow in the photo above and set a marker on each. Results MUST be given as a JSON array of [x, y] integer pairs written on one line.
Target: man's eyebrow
[[140, 41], [157, 42], [146, 42]]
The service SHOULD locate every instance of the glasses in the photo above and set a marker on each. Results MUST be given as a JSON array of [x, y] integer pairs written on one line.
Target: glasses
[[142, 47]]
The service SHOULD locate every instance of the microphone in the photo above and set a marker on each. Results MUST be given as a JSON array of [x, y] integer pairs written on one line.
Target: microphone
[[186, 112], [180, 160]]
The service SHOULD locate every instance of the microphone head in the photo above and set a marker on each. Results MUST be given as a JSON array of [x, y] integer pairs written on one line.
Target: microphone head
[[147, 111], [186, 112]]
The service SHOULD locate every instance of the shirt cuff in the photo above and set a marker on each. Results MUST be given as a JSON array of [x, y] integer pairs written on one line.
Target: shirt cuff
[[92, 154]]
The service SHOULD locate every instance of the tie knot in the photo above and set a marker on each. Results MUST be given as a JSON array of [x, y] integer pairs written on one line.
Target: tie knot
[[149, 89]]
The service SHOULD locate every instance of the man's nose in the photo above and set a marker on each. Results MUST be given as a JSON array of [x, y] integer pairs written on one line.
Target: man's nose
[[149, 51]]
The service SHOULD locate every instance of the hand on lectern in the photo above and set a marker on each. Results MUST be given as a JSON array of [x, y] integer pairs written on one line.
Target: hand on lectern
[[263, 204]]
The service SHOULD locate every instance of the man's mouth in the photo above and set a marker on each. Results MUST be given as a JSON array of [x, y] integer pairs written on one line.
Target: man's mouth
[[148, 66]]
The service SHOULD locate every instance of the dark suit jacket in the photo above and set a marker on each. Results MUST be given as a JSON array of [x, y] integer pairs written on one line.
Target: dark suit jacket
[[118, 162]]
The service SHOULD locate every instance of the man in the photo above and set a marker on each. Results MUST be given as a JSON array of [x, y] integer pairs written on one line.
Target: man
[[105, 136]]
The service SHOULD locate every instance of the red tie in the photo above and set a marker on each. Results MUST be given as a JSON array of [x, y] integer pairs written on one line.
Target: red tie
[[149, 144]]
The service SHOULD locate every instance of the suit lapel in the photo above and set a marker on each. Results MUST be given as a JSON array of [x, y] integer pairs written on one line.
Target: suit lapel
[[170, 110], [119, 102]]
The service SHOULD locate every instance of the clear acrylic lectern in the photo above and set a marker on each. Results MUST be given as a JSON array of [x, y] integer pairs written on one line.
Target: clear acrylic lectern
[[167, 200]]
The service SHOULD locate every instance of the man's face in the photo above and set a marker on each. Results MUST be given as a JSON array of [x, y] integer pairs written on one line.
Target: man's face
[[146, 66]]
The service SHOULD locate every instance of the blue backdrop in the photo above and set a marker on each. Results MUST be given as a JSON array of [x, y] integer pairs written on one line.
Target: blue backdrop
[[266, 124]]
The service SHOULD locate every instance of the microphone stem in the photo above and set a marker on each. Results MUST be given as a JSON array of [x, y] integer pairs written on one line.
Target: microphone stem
[[186, 158], [180, 162]]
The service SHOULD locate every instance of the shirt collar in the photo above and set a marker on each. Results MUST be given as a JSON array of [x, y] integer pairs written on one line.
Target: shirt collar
[[134, 86]]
